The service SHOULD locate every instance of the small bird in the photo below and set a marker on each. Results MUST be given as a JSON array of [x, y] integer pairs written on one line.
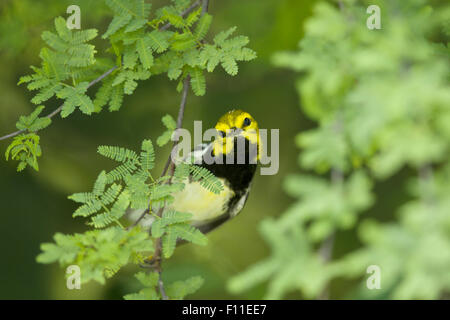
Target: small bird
[[236, 149]]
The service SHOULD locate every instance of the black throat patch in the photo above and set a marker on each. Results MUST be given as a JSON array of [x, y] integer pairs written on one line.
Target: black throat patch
[[238, 175]]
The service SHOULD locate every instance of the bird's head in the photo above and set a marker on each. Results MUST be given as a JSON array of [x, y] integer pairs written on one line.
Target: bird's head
[[233, 125]]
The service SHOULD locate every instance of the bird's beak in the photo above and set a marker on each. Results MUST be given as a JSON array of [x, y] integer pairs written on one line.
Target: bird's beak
[[234, 132]]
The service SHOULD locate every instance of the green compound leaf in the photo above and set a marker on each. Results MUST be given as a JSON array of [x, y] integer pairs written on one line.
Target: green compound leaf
[[32, 122], [203, 26], [24, 148], [76, 97], [198, 82], [180, 289], [147, 157], [97, 252], [118, 154]]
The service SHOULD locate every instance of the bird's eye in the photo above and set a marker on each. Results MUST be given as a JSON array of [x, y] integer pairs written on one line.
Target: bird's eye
[[247, 122], [222, 133]]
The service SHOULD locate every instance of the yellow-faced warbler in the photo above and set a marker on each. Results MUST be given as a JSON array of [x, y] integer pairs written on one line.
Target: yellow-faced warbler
[[232, 157]]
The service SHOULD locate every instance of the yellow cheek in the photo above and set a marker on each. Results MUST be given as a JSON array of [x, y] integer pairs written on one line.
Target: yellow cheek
[[254, 138]]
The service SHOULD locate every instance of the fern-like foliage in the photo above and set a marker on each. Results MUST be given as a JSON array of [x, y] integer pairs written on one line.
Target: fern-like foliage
[[226, 51], [142, 48], [25, 148], [197, 173], [118, 154], [33, 122], [129, 185], [206, 179], [67, 55], [180, 231], [147, 156], [128, 158], [143, 43], [149, 292], [180, 289], [175, 225], [130, 15], [66, 60], [98, 252], [175, 291], [182, 53], [171, 125], [162, 193], [114, 214], [76, 97]]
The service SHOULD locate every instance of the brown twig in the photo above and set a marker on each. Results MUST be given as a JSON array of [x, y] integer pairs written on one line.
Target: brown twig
[[157, 259], [170, 165], [169, 161], [13, 134], [180, 117], [107, 73], [183, 102], [58, 110], [205, 6]]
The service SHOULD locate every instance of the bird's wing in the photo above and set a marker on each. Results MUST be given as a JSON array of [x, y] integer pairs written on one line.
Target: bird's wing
[[196, 155], [232, 211]]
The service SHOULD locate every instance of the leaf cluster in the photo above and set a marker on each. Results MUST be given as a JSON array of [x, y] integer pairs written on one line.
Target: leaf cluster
[[143, 43], [25, 148], [63, 68], [175, 225], [98, 253], [175, 291], [102, 252]]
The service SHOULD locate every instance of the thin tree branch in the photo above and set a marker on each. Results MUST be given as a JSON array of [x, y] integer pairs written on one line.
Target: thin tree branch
[[158, 250], [183, 102], [205, 6], [162, 291], [58, 110], [12, 135], [107, 73], [179, 121], [103, 76], [169, 159], [157, 259], [170, 166]]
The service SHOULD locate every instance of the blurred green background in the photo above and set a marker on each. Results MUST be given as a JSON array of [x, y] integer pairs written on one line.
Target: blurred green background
[[34, 205]]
